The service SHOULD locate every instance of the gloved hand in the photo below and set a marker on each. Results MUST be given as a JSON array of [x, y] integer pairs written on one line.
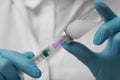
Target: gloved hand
[[106, 64], [11, 62]]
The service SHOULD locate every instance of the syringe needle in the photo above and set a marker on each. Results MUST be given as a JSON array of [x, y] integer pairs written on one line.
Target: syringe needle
[[58, 43]]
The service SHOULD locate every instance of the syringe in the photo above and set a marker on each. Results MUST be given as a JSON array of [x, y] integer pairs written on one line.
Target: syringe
[[48, 51]]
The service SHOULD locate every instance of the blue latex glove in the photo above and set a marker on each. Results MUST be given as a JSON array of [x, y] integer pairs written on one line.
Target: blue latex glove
[[11, 62], [106, 64]]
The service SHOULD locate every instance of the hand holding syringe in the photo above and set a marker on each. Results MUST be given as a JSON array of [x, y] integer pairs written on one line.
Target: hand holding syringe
[[48, 51]]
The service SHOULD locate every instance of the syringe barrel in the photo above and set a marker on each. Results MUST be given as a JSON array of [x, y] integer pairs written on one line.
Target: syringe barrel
[[42, 55], [36, 60], [39, 58]]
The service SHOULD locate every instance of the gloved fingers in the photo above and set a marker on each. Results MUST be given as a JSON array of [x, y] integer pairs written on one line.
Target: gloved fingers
[[81, 52], [104, 10], [29, 55], [107, 30], [22, 63], [114, 48], [7, 71]]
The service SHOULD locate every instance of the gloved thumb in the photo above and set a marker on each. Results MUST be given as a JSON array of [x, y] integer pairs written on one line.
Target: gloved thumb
[[29, 55], [81, 52]]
